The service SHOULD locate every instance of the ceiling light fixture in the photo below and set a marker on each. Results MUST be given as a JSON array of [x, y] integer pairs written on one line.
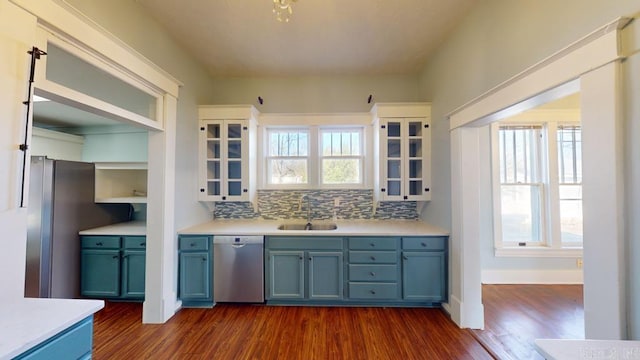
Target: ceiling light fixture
[[283, 10]]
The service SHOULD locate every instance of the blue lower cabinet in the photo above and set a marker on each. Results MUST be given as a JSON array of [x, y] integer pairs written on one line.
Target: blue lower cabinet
[[326, 280], [74, 343], [304, 269], [423, 276], [195, 271], [285, 274], [113, 267], [424, 269]]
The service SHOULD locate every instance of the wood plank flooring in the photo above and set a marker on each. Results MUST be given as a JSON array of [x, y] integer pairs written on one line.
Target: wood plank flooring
[[515, 315], [267, 332]]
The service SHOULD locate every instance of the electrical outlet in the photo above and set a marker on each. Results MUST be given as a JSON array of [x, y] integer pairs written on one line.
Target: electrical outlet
[[579, 263]]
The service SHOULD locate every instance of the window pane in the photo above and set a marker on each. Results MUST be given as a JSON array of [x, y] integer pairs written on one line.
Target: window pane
[[521, 213], [571, 213], [74, 73], [340, 142], [288, 171], [519, 160], [341, 171], [288, 143], [569, 155]]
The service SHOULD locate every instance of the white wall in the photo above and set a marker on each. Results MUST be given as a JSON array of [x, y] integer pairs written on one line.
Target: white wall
[[312, 94], [497, 40], [129, 22], [56, 145], [121, 143], [17, 31]]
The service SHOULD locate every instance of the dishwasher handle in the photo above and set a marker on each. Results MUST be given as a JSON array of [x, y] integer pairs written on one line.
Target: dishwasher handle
[[238, 246]]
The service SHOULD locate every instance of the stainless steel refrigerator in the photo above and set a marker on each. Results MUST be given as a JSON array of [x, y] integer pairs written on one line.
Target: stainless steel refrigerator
[[61, 203]]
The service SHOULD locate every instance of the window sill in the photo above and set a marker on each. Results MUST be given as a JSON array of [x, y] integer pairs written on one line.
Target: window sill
[[538, 251]]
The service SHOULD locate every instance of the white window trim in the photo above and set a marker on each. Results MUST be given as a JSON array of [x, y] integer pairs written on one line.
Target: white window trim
[[315, 122], [551, 244], [267, 157], [360, 158]]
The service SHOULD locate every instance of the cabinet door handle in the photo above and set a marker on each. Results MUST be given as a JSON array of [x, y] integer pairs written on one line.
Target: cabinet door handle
[[192, 244], [372, 245], [423, 244], [372, 273], [204, 258], [115, 256], [405, 258], [310, 258], [373, 292], [99, 243], [373, 258], [143, 244]]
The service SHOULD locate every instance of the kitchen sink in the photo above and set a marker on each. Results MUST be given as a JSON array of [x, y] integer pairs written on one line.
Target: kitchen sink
[[298, 226]]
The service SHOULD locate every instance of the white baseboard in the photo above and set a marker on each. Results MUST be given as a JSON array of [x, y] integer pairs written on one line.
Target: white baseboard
[[532, 277], [472, 318]]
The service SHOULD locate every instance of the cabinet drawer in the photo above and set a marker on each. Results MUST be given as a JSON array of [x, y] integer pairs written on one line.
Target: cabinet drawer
[[135, 242], [373, 273], [194, 243], [304, 243], [100, 242], [373, 257], [374, 243], [424, 243], [387, 291]]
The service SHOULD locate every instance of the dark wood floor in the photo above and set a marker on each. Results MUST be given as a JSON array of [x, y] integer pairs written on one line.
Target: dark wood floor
[[514, 314]]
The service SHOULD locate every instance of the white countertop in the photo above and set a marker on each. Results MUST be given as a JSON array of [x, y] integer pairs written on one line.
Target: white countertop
[[25, 323], [130, 228], [553, 349], [345, 228]]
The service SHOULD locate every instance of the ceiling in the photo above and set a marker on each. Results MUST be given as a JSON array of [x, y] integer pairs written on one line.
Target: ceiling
[[323, 37]]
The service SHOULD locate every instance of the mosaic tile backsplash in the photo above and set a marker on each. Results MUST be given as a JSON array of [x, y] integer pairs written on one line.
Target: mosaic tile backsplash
[[287, 204]]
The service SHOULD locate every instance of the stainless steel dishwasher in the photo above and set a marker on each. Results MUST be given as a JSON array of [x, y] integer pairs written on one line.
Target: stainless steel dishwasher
[[238, 269]]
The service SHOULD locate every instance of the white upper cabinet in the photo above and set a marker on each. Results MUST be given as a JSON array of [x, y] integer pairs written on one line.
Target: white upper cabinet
[[227, 166], [402, 146]]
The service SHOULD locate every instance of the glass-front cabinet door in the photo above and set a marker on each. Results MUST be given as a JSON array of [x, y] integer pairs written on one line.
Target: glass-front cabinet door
[[235, 148], [226, 153], [404, 159]]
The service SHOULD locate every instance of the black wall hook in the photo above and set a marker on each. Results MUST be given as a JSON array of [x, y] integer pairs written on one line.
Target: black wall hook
[[260, 100], [369, 99]]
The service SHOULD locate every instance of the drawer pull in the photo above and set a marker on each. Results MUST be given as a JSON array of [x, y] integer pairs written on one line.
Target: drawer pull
[[423, 244], [115, 256], [373, 258], [192, 244], [372, 245], [372, 273], [204, 258], [373, 292], [143, 244], [405, 258], [99, 243]]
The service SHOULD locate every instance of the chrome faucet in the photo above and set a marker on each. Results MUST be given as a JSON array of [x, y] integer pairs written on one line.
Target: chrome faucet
[[308, 226]]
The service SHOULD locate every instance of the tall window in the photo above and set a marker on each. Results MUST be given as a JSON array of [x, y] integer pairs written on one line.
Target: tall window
[[570, 183], [315, 157], [341, 156], [540, 202], [520, 184], [287, 156]]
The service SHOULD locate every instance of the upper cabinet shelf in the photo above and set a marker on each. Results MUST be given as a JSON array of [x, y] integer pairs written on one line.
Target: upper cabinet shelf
[[121, 182], [402, 143], [227, 166]]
